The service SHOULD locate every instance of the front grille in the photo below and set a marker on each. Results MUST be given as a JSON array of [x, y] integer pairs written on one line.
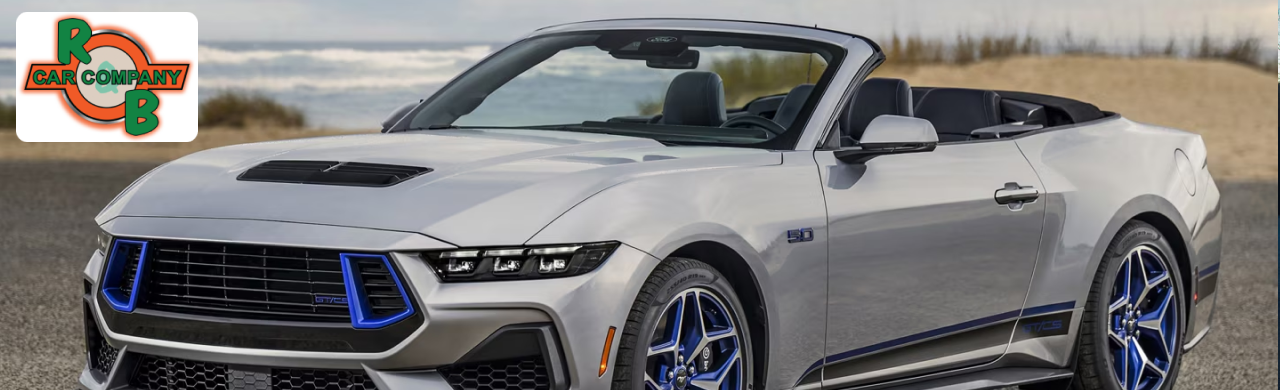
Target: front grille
[[246, 281], [520, 374], [164, 373]]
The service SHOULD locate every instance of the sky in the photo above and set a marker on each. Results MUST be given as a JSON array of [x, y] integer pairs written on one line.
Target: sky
[[505, 20]]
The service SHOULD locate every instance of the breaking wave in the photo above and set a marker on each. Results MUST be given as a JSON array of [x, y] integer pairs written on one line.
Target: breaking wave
[[402, 59]]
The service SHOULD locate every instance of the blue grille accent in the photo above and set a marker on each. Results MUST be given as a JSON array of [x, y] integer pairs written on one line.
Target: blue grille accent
[[369, 309], [120, 283]]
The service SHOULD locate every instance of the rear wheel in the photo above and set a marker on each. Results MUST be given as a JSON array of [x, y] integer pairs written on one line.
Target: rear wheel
[[685, 332], [1133, 326]]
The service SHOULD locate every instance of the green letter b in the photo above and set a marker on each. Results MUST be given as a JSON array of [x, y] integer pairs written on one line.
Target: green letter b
[[145, 111]]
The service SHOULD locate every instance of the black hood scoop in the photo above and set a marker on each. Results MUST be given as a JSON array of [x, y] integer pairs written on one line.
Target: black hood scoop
[[334, 173]]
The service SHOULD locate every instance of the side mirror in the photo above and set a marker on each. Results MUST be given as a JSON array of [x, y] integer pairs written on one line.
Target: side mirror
[[397, 114], [892, 134]]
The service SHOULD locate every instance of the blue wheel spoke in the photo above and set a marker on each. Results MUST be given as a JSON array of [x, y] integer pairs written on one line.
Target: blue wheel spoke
[[1134, 364], [1155, 323], [693, 331], [671, 340]]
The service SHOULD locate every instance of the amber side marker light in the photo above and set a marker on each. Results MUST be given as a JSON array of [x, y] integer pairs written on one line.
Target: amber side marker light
[[604, 357]]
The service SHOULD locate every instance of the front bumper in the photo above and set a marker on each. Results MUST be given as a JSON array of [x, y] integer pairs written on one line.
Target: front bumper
[[457, 317]]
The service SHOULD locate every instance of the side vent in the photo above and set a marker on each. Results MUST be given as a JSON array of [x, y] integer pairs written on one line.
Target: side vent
[[332, 173], [125, 263], [375, 296]]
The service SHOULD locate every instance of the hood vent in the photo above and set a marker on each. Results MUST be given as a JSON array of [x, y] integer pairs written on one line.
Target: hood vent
[[331, 173]]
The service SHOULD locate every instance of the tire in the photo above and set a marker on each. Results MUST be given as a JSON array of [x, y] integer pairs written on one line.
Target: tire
[[652, 312], [1097, 354]]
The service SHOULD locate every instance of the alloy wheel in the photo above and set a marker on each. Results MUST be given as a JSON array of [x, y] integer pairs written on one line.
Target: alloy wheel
[[696, 345], [1142, 319]]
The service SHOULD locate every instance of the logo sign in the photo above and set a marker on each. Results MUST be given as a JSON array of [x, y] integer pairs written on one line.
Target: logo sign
[[332, 300], [661, 39], [800, 235], [106, 77]]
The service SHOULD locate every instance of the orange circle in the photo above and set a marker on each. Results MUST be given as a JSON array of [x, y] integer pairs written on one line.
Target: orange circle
[[78, 100]]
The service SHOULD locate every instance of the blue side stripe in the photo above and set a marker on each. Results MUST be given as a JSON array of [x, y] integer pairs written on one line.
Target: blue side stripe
[[920, 336], [1030, 311], [1210, 269], [1038, 310]]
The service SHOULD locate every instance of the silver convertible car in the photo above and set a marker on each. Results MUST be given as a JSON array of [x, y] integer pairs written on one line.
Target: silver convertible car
[[670, 204]]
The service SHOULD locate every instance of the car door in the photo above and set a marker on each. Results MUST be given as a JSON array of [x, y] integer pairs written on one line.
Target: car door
[[928, 271]]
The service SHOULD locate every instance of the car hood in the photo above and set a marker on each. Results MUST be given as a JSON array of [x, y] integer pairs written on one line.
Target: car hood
[[486, 187]]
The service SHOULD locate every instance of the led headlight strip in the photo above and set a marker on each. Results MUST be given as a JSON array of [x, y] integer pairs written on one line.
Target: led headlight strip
[[518, 263]]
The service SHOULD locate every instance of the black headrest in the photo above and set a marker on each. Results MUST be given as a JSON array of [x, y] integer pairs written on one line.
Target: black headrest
[[791, 105], [876, 97], [955, 112], [694, 99]]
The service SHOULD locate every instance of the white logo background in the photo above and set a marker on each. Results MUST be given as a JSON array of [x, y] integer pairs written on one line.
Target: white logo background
[[44, 116]]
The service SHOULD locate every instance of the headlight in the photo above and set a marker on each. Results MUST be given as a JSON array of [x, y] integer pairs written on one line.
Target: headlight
[[104, 243], [518, 263]]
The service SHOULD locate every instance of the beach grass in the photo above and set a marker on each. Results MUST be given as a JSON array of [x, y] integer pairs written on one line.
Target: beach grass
[[248, 110]]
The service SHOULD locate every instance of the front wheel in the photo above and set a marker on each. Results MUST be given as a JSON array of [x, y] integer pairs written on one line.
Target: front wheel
[[685, 332], [1132, 331]]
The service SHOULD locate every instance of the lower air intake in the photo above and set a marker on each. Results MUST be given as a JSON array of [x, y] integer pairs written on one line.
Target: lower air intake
[[102, 356], [163, 373], [519, 374], [293, 379]]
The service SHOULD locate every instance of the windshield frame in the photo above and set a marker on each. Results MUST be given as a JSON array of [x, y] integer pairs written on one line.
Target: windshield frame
[[850, 56]]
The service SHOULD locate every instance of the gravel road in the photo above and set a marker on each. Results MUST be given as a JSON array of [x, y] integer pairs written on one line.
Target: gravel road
[[47, 232]]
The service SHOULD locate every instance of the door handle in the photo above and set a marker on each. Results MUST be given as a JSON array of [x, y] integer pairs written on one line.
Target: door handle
[[1014, 193]]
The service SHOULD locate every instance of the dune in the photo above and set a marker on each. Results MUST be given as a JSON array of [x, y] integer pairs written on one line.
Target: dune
[[1232, 106]]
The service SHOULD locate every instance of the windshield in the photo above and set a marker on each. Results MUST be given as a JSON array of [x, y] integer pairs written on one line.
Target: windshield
[[678, 87]]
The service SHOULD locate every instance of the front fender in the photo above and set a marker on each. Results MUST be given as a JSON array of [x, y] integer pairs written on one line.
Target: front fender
[[747, 209]]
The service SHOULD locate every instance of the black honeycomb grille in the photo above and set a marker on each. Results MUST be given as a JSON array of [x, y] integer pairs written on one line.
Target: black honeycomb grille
[[163, 373], [299, 379], [522, 374], [160, 373], [102, 356]]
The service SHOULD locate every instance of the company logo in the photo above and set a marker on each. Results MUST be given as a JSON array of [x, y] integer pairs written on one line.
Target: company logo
[[106, 71], [106, 76]]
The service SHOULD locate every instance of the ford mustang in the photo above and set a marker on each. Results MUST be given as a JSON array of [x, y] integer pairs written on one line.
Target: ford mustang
[[670, 204]]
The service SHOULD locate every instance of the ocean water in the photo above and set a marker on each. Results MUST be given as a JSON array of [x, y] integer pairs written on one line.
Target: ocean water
[[354, 85], [337, 85]]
